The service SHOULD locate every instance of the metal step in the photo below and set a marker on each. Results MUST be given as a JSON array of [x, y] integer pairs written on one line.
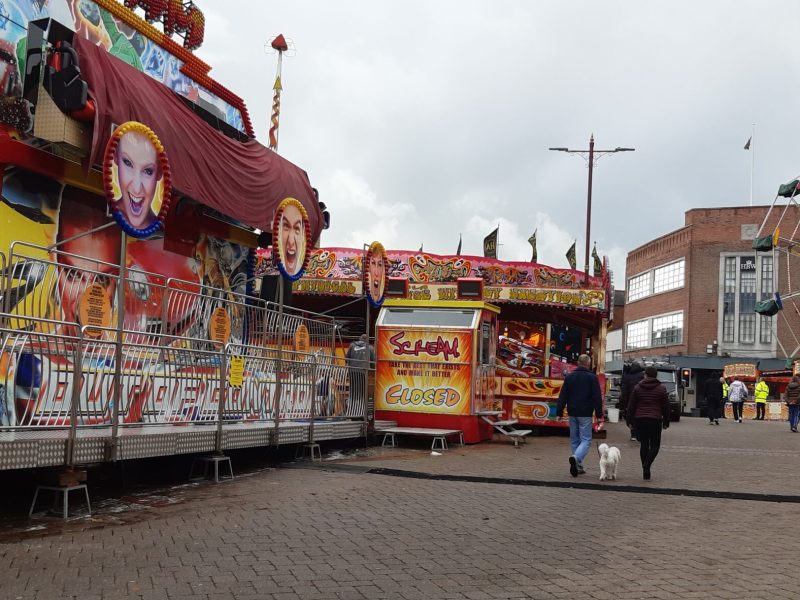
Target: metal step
[[504, 423]]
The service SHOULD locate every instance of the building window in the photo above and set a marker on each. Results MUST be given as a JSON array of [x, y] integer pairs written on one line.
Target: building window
[[636, 334], [767, 290], [668, 277], [661, 279], [660, 330], [729, 300], [667, 330], [746, 279], [747, 299], [639, 286]]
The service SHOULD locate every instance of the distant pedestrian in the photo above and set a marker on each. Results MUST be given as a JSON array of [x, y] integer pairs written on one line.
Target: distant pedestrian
[[580, 394], [360, 358], [649, 411], [725, 388], [761, 392], [713, 394], [792, 398], [629, 381], [737, 394]]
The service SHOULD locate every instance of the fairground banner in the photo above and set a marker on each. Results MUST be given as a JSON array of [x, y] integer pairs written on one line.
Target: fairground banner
[[424, 371], [338, 271]]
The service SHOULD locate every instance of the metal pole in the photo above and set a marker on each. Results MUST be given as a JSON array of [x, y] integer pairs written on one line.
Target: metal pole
[[77, 376], [589, 207], [118, 357], [279, 360], [221, 399], [313, 396], [752, 161]]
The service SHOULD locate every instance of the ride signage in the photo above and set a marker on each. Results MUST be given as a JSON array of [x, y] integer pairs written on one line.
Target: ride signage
[[424, 371]]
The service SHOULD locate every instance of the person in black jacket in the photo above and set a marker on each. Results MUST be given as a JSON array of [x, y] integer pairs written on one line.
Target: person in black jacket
[[649, 412], [630, 380], [713, 393], [580, 393]]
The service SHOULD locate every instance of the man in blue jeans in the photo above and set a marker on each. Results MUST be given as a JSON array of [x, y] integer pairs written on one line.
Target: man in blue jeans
[[581, 396]]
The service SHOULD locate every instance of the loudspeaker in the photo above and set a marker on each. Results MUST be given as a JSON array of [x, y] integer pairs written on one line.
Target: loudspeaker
[[396, 287], [269, 290], [469, 288]]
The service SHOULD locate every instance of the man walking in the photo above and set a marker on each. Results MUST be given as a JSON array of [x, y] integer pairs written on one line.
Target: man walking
[[580, 394], [761, 393]]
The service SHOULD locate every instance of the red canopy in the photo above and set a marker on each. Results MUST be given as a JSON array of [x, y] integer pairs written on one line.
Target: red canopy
[[245, 181]]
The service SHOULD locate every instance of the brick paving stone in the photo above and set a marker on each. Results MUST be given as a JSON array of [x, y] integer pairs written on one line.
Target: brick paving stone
[[321, 533]]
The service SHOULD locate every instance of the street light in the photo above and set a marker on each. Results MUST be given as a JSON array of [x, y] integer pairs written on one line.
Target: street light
[[590, 155]]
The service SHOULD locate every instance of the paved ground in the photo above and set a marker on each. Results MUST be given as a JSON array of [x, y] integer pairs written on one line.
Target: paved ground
[[338, 530]]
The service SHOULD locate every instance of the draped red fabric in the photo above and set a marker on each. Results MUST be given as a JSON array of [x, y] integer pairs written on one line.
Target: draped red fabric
[[245, 181]]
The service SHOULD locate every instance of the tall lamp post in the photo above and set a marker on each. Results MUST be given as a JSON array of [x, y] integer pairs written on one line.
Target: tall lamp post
[[591, 155]]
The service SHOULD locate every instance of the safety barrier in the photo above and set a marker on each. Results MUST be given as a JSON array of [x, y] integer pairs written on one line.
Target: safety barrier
[[172, 353]]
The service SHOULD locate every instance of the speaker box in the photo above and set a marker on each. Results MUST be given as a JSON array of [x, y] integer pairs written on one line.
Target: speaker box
[[396, 287], [469, 288], [269, 290]]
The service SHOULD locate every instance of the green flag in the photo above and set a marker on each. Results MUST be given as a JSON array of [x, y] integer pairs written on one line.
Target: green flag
[[490, 244], [532, 242], [571, 256], [598, 264]]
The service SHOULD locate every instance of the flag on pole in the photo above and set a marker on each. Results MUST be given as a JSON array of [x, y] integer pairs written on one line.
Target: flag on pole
[[490, 244], [458, 252], [598, 264], [747, 145], [571, 256], [420, 248], [532, 242]]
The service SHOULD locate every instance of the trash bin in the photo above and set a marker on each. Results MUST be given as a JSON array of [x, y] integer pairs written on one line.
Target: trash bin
[[613, 415]]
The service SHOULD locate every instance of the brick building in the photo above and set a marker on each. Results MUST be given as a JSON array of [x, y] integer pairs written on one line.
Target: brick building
[[691, 294]]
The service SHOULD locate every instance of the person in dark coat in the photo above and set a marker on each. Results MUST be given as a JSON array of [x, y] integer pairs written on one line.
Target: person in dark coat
[[792, 398], [648, 410], [360, 358], [580, 394], [713, 393], [630, 380]]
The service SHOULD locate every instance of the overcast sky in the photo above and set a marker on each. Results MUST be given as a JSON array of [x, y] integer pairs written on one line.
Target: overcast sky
[[422, 120]]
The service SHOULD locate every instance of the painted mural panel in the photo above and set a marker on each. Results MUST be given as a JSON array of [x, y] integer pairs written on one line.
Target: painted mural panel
[[98, 25]]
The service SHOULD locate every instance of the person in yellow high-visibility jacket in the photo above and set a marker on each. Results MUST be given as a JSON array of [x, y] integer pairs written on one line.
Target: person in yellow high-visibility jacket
[[761, 393], [725, 387]]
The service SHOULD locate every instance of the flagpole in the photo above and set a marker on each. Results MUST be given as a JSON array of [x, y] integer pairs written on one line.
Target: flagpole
[[753, 162]]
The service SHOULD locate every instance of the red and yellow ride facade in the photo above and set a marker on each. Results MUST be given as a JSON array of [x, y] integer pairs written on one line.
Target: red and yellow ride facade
[[541, 319]]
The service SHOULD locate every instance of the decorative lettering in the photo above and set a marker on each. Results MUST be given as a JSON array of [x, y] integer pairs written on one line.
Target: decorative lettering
[[397, 394], [325, 286], [425, 269], [178, 16], [431, 348]]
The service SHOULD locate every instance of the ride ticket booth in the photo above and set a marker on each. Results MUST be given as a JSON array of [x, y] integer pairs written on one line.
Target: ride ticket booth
[[435, 364]]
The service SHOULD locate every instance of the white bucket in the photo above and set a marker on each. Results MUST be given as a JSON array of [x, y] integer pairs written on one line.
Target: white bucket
[[613, 415]]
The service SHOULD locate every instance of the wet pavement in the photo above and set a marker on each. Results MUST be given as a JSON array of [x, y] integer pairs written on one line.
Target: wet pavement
[[482, 521]]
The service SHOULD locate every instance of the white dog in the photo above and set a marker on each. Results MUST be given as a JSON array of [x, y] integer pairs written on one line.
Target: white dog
[[609, 460]]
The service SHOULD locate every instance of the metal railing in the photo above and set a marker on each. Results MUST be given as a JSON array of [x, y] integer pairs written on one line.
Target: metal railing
[[163, 365]]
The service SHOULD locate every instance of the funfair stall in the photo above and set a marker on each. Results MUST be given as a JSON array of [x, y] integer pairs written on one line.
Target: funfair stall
[[547, 317]]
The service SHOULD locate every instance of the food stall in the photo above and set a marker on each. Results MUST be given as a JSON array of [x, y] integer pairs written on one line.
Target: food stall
[[748, 373]]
